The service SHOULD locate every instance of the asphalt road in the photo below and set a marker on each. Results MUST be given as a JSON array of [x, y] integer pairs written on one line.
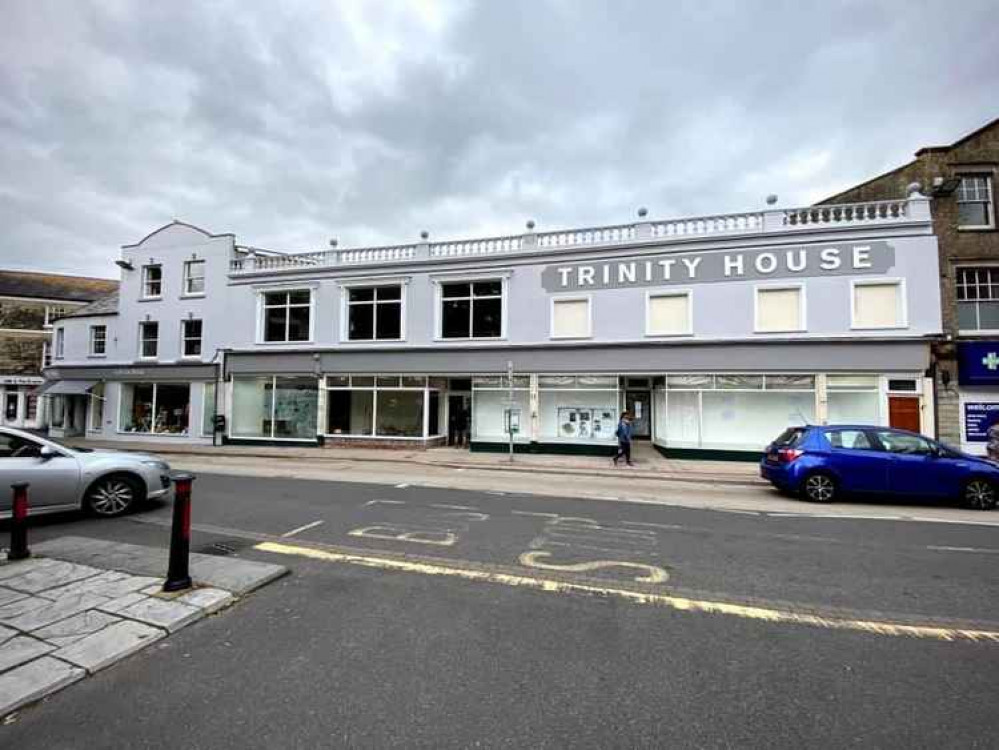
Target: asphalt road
[[455, 651]]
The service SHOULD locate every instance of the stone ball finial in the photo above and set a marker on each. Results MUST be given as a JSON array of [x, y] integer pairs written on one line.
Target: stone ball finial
[[643, 212], [424, 235], [772, 199], [530, 224], [913, 188]]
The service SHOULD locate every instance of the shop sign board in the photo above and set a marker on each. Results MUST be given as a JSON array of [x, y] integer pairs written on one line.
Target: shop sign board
[[978, 362], [978, 418], [853, 259]]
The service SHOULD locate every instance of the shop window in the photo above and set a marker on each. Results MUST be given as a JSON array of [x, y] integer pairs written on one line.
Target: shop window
[[31, 408], [975, 209], [287, 316], [149, 339], [190, 334], [399, 413], [275, 407], [58, 409], [208, 409], [98, 340], [194, 277], [581, 408], [60, 343], [570, 318], [779, 309], [350, 412], [97, 407], [878, 304], [472, 310], [152, 281], [162, 408], [374, 313], [978, 298], [853, 399], [668, 314]]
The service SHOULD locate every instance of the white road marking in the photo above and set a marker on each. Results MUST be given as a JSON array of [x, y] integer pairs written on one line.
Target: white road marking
[[494, 492], [401, 486], [741, 512], [964, 549], [302, 528], [654, 525], [385, 502], [531, 513], [452, 507], [573, 546]]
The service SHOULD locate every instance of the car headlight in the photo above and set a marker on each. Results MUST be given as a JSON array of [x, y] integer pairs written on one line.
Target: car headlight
[[159, 465]]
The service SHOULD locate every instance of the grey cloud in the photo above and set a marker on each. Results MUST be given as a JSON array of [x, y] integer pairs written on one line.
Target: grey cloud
[[374, 121]]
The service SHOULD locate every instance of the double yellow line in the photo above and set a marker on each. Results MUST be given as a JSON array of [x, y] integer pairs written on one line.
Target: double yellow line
[[681, 603]]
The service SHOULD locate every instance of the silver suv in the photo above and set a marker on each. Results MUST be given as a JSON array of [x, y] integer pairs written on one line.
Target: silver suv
[[106, 483]]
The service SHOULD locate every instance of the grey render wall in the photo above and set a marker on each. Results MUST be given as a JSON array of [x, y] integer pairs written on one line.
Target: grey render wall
[[722, 311]]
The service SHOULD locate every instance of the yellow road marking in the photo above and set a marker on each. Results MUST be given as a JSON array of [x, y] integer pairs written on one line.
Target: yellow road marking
[[653, 574], [681, 603]]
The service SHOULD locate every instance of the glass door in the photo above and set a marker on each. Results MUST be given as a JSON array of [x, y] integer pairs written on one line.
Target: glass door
[[639, 403], [11, 407]]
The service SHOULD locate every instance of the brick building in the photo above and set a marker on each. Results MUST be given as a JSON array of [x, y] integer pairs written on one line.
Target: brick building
[[960, 180], [29, 303]]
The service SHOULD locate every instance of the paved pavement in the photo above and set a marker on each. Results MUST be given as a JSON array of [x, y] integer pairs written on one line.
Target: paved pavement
[[427, 617], [61, 620]]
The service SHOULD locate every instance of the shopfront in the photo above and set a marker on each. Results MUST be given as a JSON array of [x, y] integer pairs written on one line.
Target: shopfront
[[978, 381], [19, 401]]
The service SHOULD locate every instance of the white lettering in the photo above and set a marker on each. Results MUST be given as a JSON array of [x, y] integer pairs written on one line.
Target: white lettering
[[606, 274], [800, 263], [830, 259], [667, 266], [765, 263], [625, 272], [862, 256], [734, 264], [584, 275], [563, 276], [691, 264], [648, 270]]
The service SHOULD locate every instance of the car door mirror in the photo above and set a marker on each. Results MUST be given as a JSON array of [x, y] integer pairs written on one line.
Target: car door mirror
[[47, 452]]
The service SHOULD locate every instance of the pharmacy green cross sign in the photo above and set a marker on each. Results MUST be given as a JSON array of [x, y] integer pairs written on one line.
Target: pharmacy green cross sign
[[991, 360]]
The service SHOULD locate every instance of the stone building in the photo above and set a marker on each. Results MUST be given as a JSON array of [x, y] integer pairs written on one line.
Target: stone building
[[29, 304], [960, 180]]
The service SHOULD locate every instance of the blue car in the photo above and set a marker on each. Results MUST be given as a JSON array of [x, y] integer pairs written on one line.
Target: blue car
[[820, 463]]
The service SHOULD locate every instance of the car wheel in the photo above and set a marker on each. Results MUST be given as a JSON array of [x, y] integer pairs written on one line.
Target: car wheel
[[819, 488], [980, 494], [111, 496]]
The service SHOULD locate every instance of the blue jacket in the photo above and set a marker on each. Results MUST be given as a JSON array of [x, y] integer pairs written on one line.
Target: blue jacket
[[623, 431]]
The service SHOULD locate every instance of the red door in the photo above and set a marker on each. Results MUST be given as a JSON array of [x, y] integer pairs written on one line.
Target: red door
[[903, 412]]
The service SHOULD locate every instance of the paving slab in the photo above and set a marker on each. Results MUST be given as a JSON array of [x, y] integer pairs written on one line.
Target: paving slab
[[74, 628], [232, 574], [113, 643], [34, 612], [20, 649], [51, 576], [116, 605], [208, 599], [20, 567], [170, 615], [35, 680], [112, 584], [9, 595]]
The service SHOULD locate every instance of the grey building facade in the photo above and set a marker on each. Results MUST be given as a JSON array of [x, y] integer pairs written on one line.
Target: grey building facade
[[716, 332]]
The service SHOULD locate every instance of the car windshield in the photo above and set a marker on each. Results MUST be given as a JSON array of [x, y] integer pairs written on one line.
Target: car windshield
[[73, 448], [790, 436]]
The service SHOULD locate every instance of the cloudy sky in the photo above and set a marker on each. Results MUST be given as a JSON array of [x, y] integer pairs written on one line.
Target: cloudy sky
[[289, 123]]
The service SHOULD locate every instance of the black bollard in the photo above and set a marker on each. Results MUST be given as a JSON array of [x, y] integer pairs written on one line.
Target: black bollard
[[178, 573], [19, 523]]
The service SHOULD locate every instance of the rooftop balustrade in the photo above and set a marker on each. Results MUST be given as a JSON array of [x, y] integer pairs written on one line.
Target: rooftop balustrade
[[773, 221]]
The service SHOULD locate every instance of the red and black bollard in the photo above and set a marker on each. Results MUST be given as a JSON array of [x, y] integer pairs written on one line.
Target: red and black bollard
[[19, 523], [178, 573]]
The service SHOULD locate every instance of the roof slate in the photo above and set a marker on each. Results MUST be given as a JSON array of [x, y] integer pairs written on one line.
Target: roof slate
[[107, 305], [54, 286]]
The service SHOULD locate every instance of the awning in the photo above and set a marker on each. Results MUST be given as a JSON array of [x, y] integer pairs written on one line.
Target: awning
[[66, 388]]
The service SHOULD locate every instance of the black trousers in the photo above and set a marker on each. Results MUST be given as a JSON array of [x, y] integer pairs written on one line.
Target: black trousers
[[623, 449]]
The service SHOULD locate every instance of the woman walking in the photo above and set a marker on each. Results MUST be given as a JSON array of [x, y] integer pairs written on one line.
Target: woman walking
[[623, 433]]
